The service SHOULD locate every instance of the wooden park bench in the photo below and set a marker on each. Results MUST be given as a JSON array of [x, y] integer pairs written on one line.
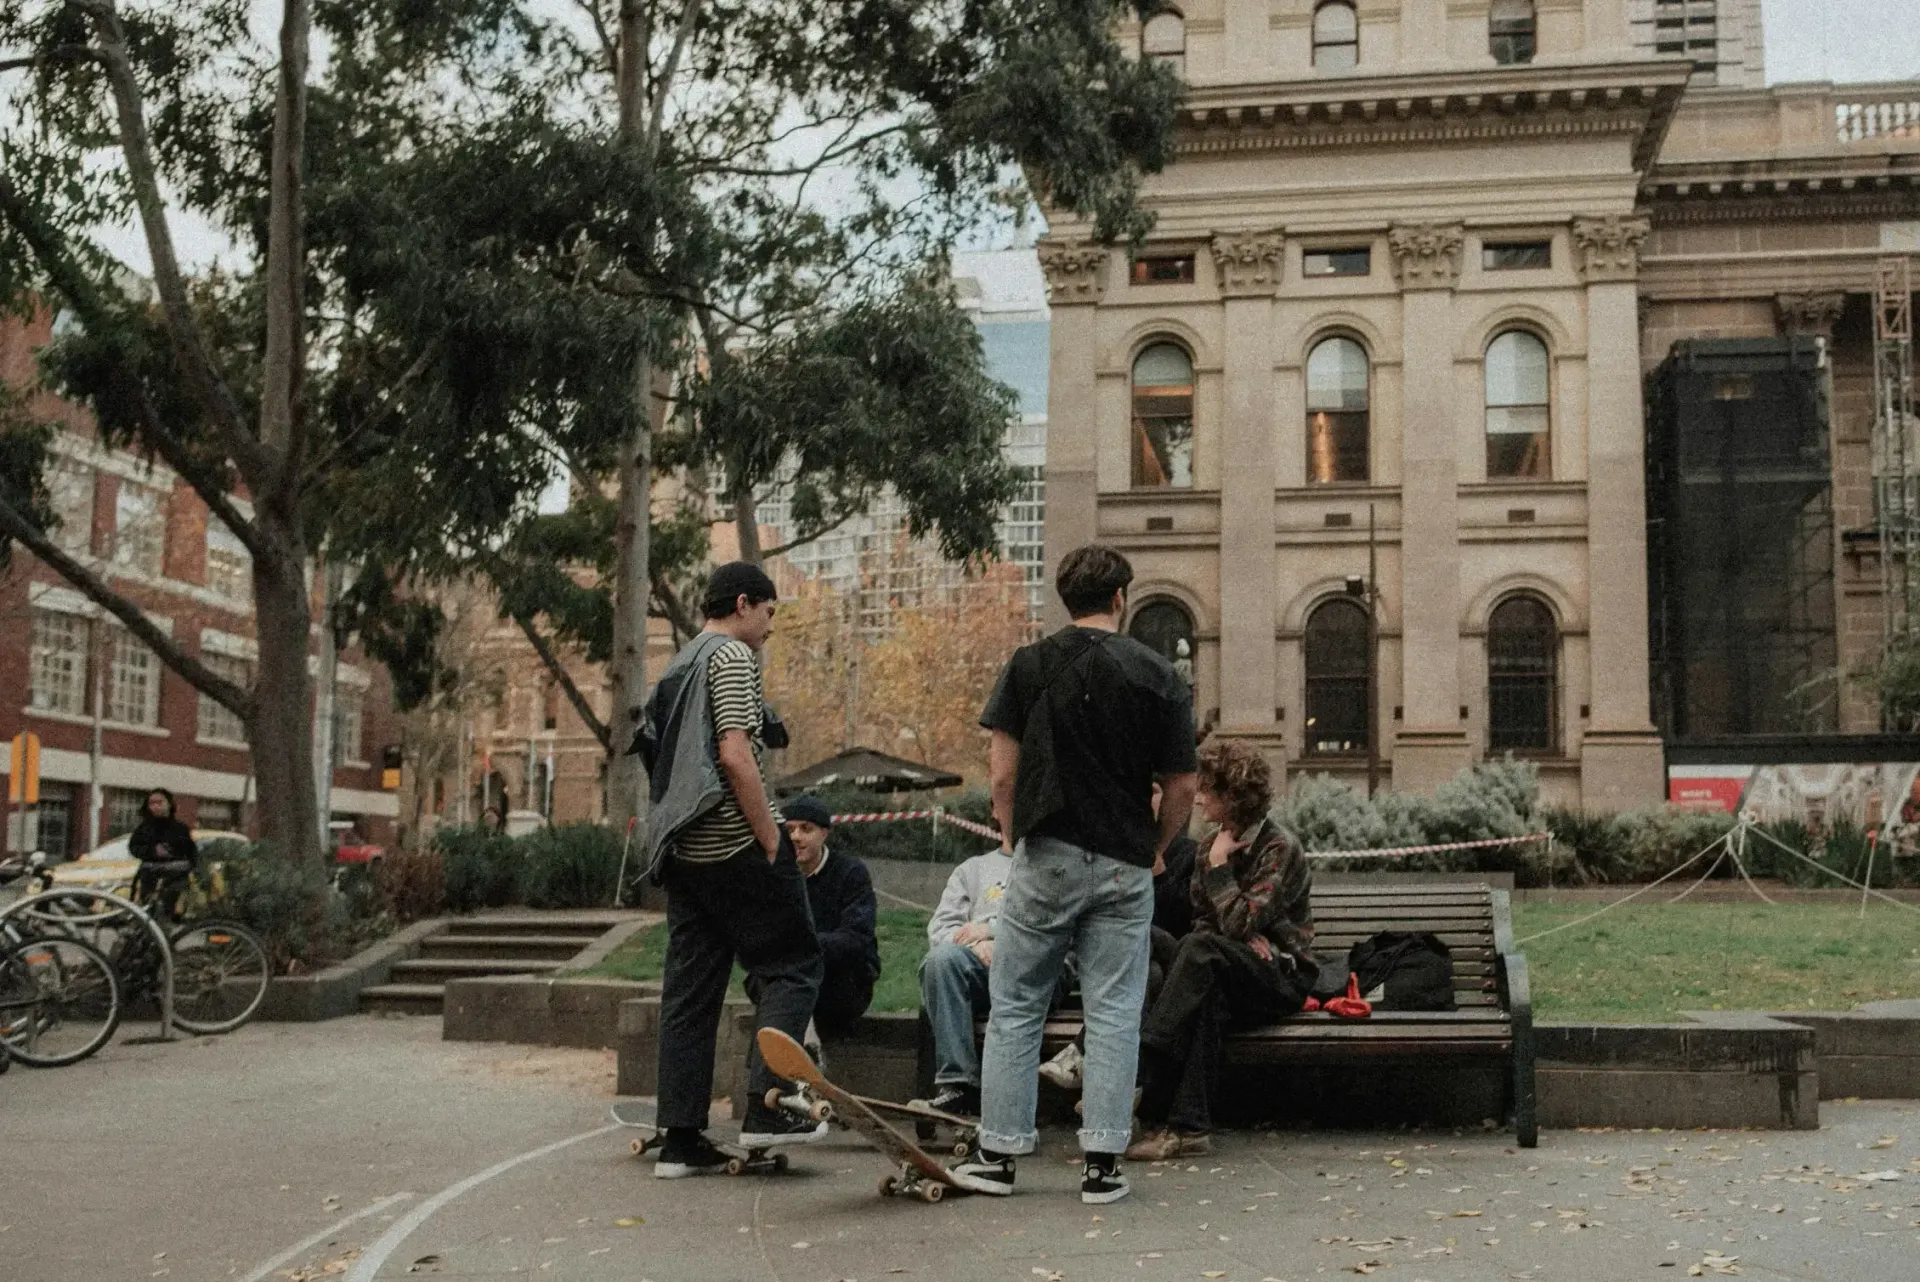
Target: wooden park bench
[[1495, 1016]]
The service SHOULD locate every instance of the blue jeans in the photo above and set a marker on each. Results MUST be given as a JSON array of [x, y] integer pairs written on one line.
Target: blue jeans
[[953, 990], [1061, 898]]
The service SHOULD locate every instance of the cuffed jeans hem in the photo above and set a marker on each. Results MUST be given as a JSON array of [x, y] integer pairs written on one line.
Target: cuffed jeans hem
[[1105, 1141], [1016, 1145]]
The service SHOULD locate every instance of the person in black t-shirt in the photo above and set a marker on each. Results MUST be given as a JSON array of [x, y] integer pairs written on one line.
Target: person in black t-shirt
[[1083, 723]]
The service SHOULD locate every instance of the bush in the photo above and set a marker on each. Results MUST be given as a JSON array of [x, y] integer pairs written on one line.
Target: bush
[[571, 867], [290, 906], [482, 868], [1636, 845], [412, 884], [910, 839]]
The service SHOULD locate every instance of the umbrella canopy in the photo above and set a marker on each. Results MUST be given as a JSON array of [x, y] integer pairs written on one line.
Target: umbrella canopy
[[870, 769]]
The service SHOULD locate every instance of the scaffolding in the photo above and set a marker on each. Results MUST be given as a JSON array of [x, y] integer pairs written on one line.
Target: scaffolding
[[1896, 462]]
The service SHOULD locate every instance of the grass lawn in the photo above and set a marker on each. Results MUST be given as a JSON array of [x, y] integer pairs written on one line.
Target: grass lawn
[[1635, 964]]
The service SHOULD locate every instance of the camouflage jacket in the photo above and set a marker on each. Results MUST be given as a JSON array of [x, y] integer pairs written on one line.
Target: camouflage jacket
[[1261, 890]]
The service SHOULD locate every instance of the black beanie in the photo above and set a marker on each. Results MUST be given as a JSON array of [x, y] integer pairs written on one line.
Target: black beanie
[[808, 810], [730, 581]]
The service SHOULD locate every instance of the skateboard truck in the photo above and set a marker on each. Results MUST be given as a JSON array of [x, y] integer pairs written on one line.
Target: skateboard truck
[[802, 1102], [740, 1160]]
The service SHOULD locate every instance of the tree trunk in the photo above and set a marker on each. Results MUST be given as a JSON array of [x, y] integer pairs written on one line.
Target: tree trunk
[[746, 524], [280, 731], [627, 670]]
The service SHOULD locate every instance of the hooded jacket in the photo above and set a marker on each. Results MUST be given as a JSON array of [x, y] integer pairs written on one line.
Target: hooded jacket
[[152, 833], [683, 767]]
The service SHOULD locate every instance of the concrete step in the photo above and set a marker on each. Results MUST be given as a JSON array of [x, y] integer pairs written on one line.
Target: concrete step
[[403, 999], [536, 924], [505, 947], [438, 970]]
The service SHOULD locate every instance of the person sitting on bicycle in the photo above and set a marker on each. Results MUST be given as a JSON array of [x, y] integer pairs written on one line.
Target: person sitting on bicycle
[[160, 840]]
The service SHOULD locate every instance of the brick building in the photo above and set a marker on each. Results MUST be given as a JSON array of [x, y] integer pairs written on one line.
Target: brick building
[[112, 720]]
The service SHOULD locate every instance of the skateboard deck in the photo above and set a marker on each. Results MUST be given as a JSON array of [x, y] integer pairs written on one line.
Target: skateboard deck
[[806, 1102], [916, 1172], [740, 1160]]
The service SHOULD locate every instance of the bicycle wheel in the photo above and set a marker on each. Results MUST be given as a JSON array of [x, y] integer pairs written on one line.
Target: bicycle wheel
[[220, 976], [59, 1001]]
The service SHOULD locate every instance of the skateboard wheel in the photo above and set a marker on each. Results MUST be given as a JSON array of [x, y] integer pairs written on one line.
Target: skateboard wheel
[[637, 1147], [780, 1162], [822, 1111], [932, 1192], [772, 1099], [961, 1148], [736, 1166], [889, 1186]]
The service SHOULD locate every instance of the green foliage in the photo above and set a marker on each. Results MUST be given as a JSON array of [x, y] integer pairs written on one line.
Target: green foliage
[[484, 868], [286, 903], [412, 883], [574, 866], [909, 839], [1634, 846], [1490, 799]]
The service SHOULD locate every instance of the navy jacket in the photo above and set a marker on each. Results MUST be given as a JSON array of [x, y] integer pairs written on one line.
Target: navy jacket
[[841, 895]]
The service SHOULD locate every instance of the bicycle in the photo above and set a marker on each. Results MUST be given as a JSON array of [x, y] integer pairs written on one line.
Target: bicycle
[[59, 995]]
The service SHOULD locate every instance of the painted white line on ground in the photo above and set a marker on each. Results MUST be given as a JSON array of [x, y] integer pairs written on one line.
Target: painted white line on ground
[[368, 1266], [293, 1253]]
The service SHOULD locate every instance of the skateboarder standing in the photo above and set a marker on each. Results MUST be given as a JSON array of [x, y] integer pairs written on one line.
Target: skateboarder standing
[[1083, 722], [734, 888]]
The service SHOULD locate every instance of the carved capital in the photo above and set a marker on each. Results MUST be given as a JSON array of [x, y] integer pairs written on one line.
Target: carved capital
[[1427, 255], [1076, 273], [1610, 247], [1814, 315], [1248, 262]]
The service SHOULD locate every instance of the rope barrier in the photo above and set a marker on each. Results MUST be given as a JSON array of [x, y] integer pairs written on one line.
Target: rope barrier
[[1432, 849], [882, 816]]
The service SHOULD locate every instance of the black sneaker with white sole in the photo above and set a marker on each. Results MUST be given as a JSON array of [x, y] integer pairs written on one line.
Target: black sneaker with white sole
[[682, 1158], [959, 1098], [765, 1128], [981, 1172], [1103, 1181]]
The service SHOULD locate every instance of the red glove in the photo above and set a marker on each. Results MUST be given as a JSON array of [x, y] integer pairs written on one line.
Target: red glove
[[1352, 1006], [1312, 1004]]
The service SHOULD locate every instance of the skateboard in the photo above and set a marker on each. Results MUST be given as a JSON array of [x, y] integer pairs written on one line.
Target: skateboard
[[806, 1102], [916, 1172], [740, 1161]]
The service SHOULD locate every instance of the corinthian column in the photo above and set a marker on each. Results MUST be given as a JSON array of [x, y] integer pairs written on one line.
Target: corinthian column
[[1076, 282]]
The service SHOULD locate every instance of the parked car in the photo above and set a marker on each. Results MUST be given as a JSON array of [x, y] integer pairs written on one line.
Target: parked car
[[110, 867]]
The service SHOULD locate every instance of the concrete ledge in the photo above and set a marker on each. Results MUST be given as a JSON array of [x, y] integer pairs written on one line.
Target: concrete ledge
[[637, 1047], [1871, 1053], [540, 1010], [335, 991], [1747, 1070]]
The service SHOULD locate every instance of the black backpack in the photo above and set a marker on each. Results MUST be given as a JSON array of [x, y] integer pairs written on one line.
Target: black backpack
[[1400, 971]]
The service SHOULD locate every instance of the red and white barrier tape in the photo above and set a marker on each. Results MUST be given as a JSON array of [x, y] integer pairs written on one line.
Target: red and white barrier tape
[[1428, 850], [881, 816]]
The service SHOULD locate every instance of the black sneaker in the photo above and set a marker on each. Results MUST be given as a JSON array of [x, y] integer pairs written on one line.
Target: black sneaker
[[765, 1128], [681, 1158], [962, 1099], [1103, 1181], [979, 1173]]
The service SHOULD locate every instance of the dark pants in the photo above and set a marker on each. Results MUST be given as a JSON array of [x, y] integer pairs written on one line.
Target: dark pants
[[740, 907], [1214, 982], [846, 990]]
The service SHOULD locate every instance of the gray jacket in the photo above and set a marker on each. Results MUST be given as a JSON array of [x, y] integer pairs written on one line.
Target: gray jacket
[[973, 893], [685, 780]]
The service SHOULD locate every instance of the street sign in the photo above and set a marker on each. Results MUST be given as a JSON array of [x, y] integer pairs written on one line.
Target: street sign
[[23, 769]]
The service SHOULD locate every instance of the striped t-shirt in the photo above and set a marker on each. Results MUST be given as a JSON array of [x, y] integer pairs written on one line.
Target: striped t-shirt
[[738, 703]]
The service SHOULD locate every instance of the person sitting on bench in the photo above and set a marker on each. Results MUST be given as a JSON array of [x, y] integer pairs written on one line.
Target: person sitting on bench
[[953, 978], [1248, 961], [840, 892]]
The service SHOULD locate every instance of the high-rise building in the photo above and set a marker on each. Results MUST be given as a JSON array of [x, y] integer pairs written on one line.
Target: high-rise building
[[1722, 37]]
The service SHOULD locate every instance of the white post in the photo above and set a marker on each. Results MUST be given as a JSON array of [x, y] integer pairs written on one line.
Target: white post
[[324, 705], [96, 749]]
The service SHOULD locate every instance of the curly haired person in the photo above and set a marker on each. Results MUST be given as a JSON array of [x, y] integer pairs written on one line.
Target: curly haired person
[[1249, 959]]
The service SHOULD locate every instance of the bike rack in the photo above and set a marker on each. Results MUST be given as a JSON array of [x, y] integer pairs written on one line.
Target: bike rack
[[122, 907]]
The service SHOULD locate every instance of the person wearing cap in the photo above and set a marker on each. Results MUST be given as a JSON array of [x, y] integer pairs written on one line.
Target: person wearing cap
[[735, 890], [840, 893]]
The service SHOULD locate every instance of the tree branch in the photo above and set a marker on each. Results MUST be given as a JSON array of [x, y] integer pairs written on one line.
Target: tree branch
[[612, 53], [544, 649], [95, 589], [689, 15], [59, 53], [805, 539], [672, 608]]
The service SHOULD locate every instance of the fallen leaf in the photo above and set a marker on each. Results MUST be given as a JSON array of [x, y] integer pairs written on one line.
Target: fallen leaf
[[1885, 1141], [1468, 1215], [629, 1221], [1214, 1273], [424, 1264], [801, 1246], [1366, 1266]]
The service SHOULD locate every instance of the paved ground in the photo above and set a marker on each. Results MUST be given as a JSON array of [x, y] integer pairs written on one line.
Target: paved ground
[[367, 1149]]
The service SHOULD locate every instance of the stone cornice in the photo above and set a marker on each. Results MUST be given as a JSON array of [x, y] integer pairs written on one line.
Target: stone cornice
[[1536, 102], [1609, 247], [1076, 272], [1248, 264], [1427, 256], [1814, 314], [1871, 187]]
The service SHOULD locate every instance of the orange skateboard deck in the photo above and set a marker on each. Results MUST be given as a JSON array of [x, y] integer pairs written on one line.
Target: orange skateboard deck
[[916, 1172]]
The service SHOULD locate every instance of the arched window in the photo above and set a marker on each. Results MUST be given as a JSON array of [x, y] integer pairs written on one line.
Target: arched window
[[1523, 655], [1510, 31], [1165, 627], [1336, 37], [1163, 417], [1164, 39], [1339, 672], [1337, 417], [1518, 409]]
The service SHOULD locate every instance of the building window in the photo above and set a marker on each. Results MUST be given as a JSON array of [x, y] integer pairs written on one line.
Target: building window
[[1163, 417], [1510, 31], [55, 811], [1163, 269], [1336, 37], [1164, 40], [1522, 660], [229, 564], [1515, 255], [1336, 262], [217, 814], [1518, 411], [70, 484], [1337, 412], [217, 722], [1166, 628], [349, 711], [124, 809], [133, 681], [1339, 672], [140, 528], [58, 682]]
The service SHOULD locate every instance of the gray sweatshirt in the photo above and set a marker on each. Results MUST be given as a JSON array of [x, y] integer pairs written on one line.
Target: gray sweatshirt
[[973, 893]]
